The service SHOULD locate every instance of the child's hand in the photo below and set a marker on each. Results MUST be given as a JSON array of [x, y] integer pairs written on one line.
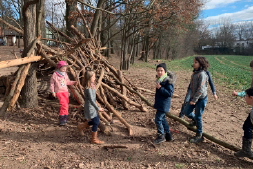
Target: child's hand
[[234, 93], [192, 103], [101, 109], [54, 94], [158, 85], [215, 97]]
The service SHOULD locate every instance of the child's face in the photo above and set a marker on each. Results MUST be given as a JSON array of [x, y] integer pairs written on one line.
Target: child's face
[[249, 100], [63, 69], [195, 65], [160, 71], [93, 78]]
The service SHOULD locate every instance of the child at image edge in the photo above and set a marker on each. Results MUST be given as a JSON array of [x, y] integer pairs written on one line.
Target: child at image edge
[[58, 86], [90, 107], [198, 96], [247, 127], [164, 91]]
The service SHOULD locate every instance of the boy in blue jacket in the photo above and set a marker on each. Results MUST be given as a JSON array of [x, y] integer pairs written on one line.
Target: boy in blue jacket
[[164, 91]]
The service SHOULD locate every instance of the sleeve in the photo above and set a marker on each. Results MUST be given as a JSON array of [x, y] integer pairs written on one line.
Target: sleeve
[[201, 87], [210, 80], [52, 81], [90, 97], [69, 82], [167, 90], [241, 94]]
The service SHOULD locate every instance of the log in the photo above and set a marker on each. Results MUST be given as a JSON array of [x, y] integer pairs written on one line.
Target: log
[[114, 146], [12, 27], [100, 79], [206, 135], [78, 97], [19, 86], [141, 107], [130, 131], [8, 98], [21, 61], [123, 90]]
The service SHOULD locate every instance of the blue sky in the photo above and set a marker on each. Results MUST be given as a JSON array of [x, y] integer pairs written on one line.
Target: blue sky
[[235, 10]]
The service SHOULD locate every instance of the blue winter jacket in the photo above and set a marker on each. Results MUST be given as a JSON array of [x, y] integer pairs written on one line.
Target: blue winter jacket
[[164, 94]]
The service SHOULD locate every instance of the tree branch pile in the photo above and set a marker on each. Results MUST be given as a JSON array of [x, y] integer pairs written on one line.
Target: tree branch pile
[[82, 54]]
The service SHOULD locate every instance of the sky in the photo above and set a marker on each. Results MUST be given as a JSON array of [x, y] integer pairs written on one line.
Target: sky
[[235, 10]]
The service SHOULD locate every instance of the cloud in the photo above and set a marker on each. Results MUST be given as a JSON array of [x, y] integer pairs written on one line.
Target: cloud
[[211, 4], [243, 15], [246, 6]]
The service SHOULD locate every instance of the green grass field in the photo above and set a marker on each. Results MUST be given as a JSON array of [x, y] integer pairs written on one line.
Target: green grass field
[[230, 70]]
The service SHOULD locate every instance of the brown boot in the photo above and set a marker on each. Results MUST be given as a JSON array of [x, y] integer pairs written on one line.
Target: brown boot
[[82, 126], [95, 139]]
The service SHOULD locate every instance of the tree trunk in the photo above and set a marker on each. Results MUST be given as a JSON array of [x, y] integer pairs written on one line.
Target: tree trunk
[[96, 18], [40, 19], [70, 19], [29, 91]]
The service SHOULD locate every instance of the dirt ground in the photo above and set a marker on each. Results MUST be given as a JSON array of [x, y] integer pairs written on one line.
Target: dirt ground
[[31, 138]]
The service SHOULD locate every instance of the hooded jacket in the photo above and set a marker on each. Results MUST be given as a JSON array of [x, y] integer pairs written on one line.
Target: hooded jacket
[[198, 85], [165, 92]]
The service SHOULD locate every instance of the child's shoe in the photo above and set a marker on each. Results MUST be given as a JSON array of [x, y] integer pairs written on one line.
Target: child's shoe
[[95, 139], [197, 139], [82, 126], [168, 137], [159, 139], [192, 123], [246, 149], [65, 119], [62, 122]]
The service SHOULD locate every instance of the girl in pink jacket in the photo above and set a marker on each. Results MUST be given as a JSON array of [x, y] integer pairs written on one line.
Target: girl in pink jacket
[[58, 86]]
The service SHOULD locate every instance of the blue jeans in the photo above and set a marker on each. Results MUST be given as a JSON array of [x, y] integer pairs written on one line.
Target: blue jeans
[[199, 111], [161, 123], [94, 122], [247, 127]]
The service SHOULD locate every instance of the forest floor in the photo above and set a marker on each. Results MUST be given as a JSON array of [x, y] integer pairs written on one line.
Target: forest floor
[[31, 138]]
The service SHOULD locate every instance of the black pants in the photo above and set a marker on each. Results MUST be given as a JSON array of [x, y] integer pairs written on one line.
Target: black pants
[[247, 127], [94, 122]]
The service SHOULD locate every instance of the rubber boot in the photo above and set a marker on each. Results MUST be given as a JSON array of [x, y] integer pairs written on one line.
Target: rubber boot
[[65, 119], [62, 121], [246, 149], [159, 139], [95, 139], [82, 126], [168, 137]]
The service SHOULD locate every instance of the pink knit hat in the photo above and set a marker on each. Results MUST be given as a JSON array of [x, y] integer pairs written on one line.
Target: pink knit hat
[[61, 63]]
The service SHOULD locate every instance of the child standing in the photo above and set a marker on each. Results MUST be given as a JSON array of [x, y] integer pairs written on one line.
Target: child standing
[[198, 96], [58, 86], [90, 107], [247, 127], [164, 91], [187, 97]]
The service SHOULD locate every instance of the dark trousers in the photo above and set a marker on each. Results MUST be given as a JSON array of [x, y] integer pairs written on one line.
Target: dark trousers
[[94, 122], [247, 127]]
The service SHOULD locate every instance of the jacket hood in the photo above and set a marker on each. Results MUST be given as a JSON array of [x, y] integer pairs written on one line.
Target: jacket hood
[[171, 78]]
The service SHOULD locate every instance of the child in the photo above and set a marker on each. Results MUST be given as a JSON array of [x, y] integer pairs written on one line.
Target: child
[[242, 94], [198, 96], [90, 107], [247, 127], [187, 97], [58, 86], [164, 91]]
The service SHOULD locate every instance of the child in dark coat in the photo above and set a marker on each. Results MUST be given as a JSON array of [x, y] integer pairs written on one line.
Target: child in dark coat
[[164, 91]]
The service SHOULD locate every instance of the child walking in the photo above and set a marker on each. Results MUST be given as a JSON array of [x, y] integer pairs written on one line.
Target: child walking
[[187, 97], [198, 96], [90, 107], [164, 91], [59, 89], [247, 127]]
